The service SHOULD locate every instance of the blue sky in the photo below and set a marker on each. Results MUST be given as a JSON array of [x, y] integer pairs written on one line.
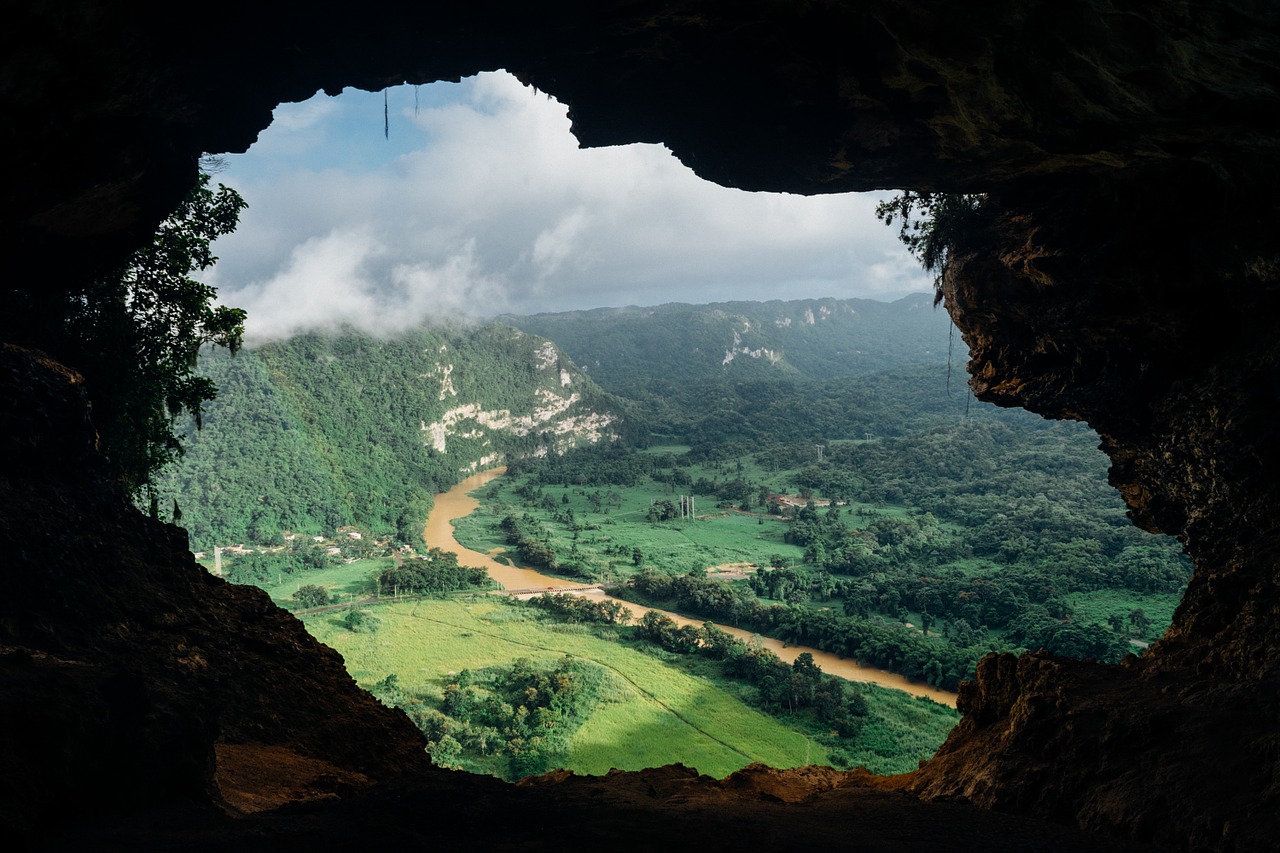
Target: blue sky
[[478, 201]]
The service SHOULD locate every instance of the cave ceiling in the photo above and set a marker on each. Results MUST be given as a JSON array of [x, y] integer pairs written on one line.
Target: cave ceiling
[[105, 127]]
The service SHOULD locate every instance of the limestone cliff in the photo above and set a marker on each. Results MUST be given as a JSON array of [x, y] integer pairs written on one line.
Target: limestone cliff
[[1126, 275]]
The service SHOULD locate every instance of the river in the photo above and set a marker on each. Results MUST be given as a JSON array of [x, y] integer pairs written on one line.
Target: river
[[457, 503]]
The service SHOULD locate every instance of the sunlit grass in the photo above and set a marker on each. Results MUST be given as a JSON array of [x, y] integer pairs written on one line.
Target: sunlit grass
[[663, 716], [717, 536], [899, 730], [347, 580]]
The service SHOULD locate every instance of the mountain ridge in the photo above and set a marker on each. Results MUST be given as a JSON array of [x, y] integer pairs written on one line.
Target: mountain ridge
[[328, 429], [825, 338]]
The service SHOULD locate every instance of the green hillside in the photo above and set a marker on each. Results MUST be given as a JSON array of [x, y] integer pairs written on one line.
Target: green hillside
[[796, 370], [324, 430], [833, 484], [327, 430], [627, 349]]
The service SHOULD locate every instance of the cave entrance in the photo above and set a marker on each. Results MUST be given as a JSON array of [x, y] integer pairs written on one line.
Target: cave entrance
[[466, 201]]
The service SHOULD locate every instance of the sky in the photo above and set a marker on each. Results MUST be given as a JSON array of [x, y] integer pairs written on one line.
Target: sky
[[473, 199]]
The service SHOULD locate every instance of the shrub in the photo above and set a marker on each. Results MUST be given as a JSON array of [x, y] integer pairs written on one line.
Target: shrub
[[311, 595], [360, 622], [933, 226]]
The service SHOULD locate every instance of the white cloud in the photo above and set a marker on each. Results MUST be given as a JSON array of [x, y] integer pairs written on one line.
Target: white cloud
[[558, 244], [291, 118], [324, 283], [492, 207]]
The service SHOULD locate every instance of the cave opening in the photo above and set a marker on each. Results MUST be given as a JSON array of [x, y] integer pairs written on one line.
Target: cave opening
[[1130, 281], [321, 257]]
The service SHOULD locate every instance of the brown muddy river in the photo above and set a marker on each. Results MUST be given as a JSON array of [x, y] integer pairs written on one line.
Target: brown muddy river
[[457, 503]]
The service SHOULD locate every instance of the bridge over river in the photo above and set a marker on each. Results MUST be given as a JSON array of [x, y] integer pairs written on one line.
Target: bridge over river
[[574, 588]]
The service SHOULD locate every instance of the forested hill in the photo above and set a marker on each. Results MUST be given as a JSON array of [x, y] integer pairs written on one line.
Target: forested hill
[[722, 374], [325, 430], [626, 349]]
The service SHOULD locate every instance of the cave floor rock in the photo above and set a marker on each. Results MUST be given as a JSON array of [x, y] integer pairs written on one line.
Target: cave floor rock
[[665, 808]]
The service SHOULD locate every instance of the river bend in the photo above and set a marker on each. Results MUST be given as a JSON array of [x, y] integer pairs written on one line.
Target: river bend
[[458, 502]]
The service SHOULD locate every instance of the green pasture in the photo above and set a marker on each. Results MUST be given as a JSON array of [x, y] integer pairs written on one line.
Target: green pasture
[[852, 511], [662, 449], [479, 531], [662, 714], [663, 710], [346, 580], [608, 537]]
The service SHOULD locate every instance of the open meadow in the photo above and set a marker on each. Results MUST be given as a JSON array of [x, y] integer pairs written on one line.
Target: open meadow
[[657, 714], [656, 711], [610, 535]]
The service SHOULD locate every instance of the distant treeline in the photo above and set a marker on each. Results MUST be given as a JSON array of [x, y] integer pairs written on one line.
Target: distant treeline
[[435, 572], [889, 647]]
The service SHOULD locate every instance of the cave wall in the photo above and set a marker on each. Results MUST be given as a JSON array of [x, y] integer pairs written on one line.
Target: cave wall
[[1125, 273], [1142, 303], [125, 667]]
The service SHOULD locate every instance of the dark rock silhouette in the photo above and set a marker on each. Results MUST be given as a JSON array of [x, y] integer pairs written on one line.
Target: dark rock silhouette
[[1126, 275]]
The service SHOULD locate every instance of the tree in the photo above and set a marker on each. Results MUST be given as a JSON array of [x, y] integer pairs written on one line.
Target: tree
[[311, 595], [435, 572], [445, 752], [135, 335], [933, 225], [360, 622], [1140, 621]]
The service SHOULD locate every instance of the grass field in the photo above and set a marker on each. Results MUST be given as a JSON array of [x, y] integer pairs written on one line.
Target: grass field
[[718, 535], [659, 713], [347, 579], [662, 708], [662, 715]]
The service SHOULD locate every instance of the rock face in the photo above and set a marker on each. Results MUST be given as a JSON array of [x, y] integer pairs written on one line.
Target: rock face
[[127, 667], [814, 97], [1144, 306], [1092, 303], [1125, 273]]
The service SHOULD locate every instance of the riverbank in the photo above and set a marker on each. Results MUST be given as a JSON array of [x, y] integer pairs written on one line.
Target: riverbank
[[458, 503]]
